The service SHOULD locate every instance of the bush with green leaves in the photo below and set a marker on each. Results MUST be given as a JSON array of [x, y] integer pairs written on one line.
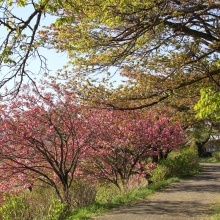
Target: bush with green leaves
[[178, 164], [82, 193], [216, 155], [57, 211], [107, 193], [14, 208], [40, 204]]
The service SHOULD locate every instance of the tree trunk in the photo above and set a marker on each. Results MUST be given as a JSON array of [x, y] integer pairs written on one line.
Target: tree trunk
[[67, 198], [155, 159], [160, 155], [200, 147], [166, 154]]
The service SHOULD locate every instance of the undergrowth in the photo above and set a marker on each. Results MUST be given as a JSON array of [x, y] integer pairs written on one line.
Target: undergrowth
[[90, 201], [136, 195]]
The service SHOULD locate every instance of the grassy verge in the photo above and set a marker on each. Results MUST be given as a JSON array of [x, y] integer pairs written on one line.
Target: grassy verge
[[215, 212], [95, 209], [42, 203]]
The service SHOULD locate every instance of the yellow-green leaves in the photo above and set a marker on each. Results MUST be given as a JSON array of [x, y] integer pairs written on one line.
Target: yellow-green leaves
[[209, 104], [5, 56], [20, 3], [62, 21]]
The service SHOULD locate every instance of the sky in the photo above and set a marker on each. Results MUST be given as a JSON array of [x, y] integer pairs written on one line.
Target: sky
[[55, 60]]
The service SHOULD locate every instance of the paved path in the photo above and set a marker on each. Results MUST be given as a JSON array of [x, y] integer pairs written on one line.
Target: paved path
[[188, 199]]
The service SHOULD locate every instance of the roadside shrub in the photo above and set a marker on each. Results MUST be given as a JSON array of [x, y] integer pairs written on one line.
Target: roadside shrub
[[40, 201], [40, 204], [57, 211], [107, 193], [14, 207], [216, 155], [82, 193], [214, 159], [178, 164], [160, 173]]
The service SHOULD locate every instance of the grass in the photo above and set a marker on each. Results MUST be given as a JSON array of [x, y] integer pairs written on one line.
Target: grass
[[215, 212], [96, 209], [108, 196]]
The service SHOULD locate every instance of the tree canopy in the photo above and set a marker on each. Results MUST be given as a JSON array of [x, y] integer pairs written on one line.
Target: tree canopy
[[208, 105], [167, 44], [161, 46]]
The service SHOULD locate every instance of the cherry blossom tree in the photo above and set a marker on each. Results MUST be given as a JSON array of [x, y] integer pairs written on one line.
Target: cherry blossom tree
[[51, 139], [127, 140], [42, 140]]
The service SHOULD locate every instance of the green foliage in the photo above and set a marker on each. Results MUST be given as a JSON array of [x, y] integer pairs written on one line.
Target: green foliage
[[40, 204], [160, 173], [119, 200], [216, 156], [107, 193], [94, 37], [43, 204], [214, 212], [162, 184], [62, 21], [57, 211], [26, 206], [214, 159], [20, 3], [82, 193], [208, 105], [40, 201], [178, 164], [14, 207]]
